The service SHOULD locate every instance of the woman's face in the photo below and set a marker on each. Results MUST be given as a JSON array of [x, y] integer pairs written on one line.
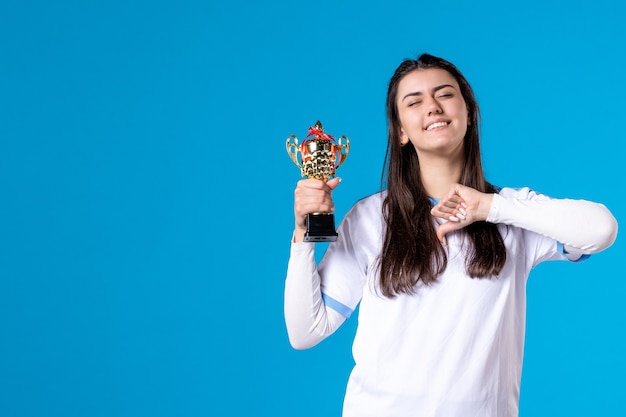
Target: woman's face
[[433, 114]]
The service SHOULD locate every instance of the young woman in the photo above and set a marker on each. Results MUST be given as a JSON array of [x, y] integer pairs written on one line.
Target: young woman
[[437, 262]]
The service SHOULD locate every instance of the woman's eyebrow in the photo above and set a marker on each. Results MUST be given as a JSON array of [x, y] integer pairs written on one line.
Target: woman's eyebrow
[[417, 93], [435, 89], [440, 87]]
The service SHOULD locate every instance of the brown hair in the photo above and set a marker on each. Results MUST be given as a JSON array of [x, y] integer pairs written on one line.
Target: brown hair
[[411, 251]]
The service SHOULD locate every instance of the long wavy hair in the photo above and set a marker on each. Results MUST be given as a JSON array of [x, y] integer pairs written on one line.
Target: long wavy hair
[[411, 251]]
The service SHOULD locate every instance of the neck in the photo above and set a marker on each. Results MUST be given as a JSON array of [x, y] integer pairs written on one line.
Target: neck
[[440, 174]]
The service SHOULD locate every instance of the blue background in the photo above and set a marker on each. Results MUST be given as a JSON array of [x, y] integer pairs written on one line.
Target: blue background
[[146, 207]]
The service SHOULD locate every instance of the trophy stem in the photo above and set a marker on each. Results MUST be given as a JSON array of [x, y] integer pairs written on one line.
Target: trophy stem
[[320, 227]]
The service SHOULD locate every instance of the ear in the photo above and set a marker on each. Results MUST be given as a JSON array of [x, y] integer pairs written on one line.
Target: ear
[[404, 139]]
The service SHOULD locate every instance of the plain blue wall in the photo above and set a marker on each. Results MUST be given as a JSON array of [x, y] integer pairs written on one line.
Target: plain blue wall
[[146, 195]]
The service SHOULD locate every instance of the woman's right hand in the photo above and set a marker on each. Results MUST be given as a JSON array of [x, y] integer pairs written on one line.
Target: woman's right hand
[[312, 196]]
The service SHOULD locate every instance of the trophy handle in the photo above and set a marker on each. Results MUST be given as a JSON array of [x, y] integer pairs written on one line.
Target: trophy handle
[[343, 143], [293, 150]]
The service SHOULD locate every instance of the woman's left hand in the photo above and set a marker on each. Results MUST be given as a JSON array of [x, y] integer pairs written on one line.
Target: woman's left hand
[[462, 206]]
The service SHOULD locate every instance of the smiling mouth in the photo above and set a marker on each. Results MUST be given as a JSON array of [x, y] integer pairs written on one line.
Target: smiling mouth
[[437, 125]]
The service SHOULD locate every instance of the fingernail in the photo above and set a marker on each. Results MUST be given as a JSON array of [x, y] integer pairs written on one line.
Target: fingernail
[[462, 210], [453, 219], [463, 204]]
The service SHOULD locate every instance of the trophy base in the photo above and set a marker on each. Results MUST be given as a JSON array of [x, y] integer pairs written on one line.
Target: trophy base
[[320, 227]]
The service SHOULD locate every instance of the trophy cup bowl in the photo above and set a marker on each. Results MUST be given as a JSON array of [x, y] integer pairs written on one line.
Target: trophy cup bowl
[[318, 158]]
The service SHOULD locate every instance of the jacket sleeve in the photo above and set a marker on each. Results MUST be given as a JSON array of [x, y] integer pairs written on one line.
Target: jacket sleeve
[[308, 319], [583, 227]]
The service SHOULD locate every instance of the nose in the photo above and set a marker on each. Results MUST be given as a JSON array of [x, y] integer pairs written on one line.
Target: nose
[[434, 107]]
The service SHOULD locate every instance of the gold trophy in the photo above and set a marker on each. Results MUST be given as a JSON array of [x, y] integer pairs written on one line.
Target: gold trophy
[[320, 156]]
